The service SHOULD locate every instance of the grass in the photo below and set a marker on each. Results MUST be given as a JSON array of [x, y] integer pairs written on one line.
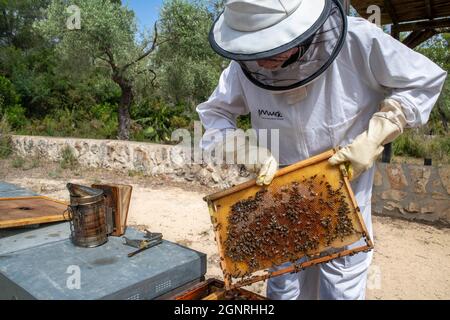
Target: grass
[[96, 181], [19, 162], [135, 173], [55, 174], [32, 163]]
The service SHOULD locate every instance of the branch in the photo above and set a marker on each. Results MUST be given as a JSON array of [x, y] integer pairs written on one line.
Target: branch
[[151, 71], [9, 27], [146, 53], [107, 51], [111, 59], [116, 74], [103, 59], [103, 65]]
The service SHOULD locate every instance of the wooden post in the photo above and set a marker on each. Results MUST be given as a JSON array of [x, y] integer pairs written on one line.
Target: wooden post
[[395, 33], [346, 6], [387, 153]]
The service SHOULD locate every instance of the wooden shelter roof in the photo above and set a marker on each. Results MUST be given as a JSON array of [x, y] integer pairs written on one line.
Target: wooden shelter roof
[[410, 15]]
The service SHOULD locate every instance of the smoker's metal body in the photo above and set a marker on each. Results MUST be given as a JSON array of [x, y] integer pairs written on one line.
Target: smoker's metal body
[[87, 210]]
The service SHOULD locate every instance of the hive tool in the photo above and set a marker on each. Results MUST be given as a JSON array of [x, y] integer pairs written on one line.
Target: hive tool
[[151, 239]]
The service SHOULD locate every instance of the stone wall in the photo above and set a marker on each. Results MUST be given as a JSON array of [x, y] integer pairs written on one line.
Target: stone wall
[[413, 192], [401, 190], [137, 157]]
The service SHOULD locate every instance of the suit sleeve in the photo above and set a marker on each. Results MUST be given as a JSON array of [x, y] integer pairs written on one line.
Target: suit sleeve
[[223, 107], [407, 76]]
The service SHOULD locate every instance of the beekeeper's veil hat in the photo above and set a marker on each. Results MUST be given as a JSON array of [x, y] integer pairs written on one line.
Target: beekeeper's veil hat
[[251, 30]]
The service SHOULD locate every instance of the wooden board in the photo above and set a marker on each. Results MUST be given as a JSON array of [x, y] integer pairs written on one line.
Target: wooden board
[[321, 217], [22, 211], [118, 198]]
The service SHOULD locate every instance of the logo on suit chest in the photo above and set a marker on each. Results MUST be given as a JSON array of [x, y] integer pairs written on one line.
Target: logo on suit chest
[[270, 115]]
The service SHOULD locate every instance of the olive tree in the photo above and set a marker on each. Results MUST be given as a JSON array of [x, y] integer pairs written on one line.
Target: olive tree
[[105, 36]]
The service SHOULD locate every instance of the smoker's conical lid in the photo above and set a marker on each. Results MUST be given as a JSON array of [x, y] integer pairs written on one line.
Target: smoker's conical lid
[[77, 190]]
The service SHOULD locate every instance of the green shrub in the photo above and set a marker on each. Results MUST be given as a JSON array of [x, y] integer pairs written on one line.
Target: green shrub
[[31, 163], [8, 95], [415, 143], [244, 122], [5, 139], [439, 148], [10, 104], [179, 122], [59, 123], [161, 120], [18, 162], [97, 129], [104, 111], [68, 159], [409, 144], [135, 173], [55, 174], [100, 122], [16, 116]]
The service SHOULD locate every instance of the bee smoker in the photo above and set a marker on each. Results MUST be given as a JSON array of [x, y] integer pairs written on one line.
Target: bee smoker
[[87, 212]]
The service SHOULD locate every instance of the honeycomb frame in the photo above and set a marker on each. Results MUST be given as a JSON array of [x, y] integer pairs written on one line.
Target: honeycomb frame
[[309, 210]]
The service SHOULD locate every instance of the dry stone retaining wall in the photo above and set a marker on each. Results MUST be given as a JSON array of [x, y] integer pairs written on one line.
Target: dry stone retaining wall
[[412, 191]]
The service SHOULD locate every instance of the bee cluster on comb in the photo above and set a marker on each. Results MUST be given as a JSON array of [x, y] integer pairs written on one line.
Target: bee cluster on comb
[[283, 224]]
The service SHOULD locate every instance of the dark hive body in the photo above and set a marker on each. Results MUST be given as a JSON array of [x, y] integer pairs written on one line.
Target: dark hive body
[[286, 223]]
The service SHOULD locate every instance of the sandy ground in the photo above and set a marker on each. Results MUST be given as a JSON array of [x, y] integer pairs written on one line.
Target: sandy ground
[[411, 260]]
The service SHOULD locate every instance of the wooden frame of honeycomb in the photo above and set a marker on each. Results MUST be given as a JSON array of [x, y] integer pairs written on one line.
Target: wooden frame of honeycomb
[[309, 210]]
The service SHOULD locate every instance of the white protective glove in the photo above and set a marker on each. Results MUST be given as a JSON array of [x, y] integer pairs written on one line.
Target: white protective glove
[[241, 148], [384, 127]]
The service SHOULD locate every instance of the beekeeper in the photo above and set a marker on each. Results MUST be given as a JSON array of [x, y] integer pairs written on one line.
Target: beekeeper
[[323, 80]]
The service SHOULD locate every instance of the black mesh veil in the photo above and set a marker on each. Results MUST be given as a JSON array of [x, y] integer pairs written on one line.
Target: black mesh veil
[[315, 55]]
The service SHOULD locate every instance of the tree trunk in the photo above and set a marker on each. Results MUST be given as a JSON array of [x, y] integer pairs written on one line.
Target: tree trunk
[[124, 112]]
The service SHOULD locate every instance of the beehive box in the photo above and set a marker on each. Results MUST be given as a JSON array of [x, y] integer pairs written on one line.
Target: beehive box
[[308, 210], [214, 289]]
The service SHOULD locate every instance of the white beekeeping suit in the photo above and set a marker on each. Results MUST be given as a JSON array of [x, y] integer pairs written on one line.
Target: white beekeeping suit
[[370, 90]]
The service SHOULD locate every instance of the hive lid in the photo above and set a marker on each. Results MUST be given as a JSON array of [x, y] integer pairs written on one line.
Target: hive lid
[[308, 210], [25, 211]]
